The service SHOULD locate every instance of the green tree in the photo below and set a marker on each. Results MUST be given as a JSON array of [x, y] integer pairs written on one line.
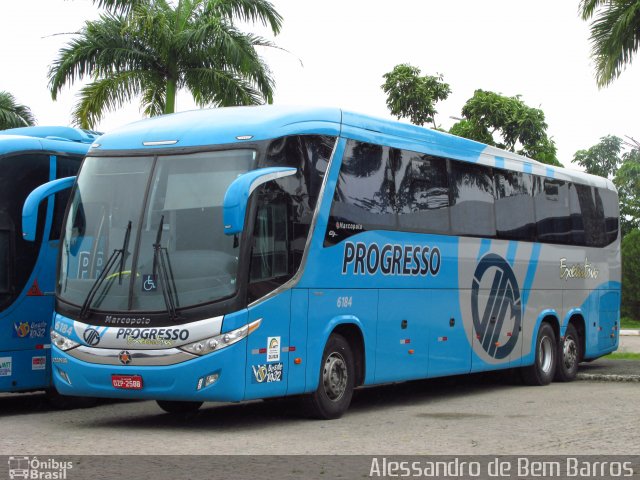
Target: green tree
[[412, 96], [627, 180], [507, 123], [615, 35], [152, 48], [630, 252], [602, 159], [13, 114]]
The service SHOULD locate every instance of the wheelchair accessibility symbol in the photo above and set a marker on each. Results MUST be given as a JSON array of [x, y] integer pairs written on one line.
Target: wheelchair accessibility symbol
[[149, 283]]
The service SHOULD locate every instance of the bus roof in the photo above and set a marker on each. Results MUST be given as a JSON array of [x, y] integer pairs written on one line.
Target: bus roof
[[230, 125], [49, 139]]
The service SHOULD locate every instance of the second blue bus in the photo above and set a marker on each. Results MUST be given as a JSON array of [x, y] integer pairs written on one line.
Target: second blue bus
[[30, 157]]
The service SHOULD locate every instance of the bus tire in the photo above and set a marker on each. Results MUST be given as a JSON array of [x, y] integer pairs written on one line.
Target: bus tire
[[543, 369], [171, 406], [335, 386], [568, 356]]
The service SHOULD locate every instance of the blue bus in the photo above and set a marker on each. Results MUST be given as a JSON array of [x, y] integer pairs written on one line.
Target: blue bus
[[255, 252], [30, 157]]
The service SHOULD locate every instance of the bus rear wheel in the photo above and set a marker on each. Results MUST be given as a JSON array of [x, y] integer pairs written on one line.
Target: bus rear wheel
[[335, 387], [171, 406], [544, 367], [568, 355]]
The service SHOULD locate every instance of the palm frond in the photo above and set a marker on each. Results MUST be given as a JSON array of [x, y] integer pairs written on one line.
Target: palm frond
[[214, 43], [211, 87], [254, 11], [588, 7], [103, 47], [154, 96], [120, 6], [106, 94], [14, 114], [615, 38]]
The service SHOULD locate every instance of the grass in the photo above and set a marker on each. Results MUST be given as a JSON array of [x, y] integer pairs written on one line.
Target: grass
[[623, 356], [626, 322]]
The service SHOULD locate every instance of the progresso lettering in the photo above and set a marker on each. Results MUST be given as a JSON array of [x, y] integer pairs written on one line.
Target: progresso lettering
[[153, 333], [390, 259]]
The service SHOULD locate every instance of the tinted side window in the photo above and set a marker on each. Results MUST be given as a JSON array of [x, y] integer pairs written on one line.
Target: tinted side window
[[552, 211], [270, 254], [587, 216], [285, 209], [515, 217], [472, 199], [20, 175], [5, 261], [611, 214], [577, 236], [422, 192], [364, 195]]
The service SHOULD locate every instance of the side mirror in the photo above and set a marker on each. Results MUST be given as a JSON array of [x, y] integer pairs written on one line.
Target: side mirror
[[237, 195], [31, 204]]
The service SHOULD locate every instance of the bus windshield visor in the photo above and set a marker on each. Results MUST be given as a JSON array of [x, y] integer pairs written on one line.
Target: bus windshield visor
[[146, 233]]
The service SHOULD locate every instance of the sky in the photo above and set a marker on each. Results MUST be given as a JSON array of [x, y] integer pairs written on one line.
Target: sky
[[336, 52]]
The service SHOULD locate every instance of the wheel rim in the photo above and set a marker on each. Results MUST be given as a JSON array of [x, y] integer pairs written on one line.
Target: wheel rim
[[545, 354], [569, 353], [334, 376]]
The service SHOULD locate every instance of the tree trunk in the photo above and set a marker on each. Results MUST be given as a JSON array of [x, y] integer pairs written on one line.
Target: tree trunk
[[170, 103]]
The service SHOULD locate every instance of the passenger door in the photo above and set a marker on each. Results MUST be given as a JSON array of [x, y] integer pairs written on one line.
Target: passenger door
[[268, 346]]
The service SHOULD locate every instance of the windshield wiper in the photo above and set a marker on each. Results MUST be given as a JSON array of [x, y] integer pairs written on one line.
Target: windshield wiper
[[113, 258], [167, 282], [123, 254]]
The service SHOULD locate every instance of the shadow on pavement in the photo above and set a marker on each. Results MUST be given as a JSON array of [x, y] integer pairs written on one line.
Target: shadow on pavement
[[257, 414], [34, 403]]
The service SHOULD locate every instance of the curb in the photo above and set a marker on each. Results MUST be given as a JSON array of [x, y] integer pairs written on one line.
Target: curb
[[629, 332], [601, 377]]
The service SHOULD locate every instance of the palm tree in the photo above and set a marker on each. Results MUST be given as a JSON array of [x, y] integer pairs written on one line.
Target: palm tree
[[151, 49], [13, 114], [615, 35]]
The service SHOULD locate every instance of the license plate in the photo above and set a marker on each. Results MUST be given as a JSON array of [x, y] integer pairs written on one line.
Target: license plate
[[127, 382]]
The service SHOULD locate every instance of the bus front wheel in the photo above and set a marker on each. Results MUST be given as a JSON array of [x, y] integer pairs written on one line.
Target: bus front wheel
[[170, 406], [568, 355], [544, 367], [335, 387]]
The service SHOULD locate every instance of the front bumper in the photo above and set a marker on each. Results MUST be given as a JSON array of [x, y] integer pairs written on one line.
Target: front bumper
[[171, 382]]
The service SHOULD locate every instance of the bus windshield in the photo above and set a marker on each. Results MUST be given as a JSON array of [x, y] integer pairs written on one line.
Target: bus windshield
[[146, 233]]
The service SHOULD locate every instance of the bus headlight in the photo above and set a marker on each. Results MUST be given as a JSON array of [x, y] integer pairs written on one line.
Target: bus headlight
[[213, 344], [62, 342]]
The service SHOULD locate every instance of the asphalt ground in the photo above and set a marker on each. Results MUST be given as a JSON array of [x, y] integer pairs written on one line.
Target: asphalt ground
[[626, 370], [472, 414]]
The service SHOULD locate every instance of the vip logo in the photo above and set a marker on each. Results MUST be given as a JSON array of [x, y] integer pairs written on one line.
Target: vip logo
[[22, 329], [503, 309], [91, 336]]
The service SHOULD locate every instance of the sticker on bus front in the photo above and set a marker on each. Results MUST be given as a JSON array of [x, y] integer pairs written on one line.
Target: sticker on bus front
[[271, 372], [273, 349]]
